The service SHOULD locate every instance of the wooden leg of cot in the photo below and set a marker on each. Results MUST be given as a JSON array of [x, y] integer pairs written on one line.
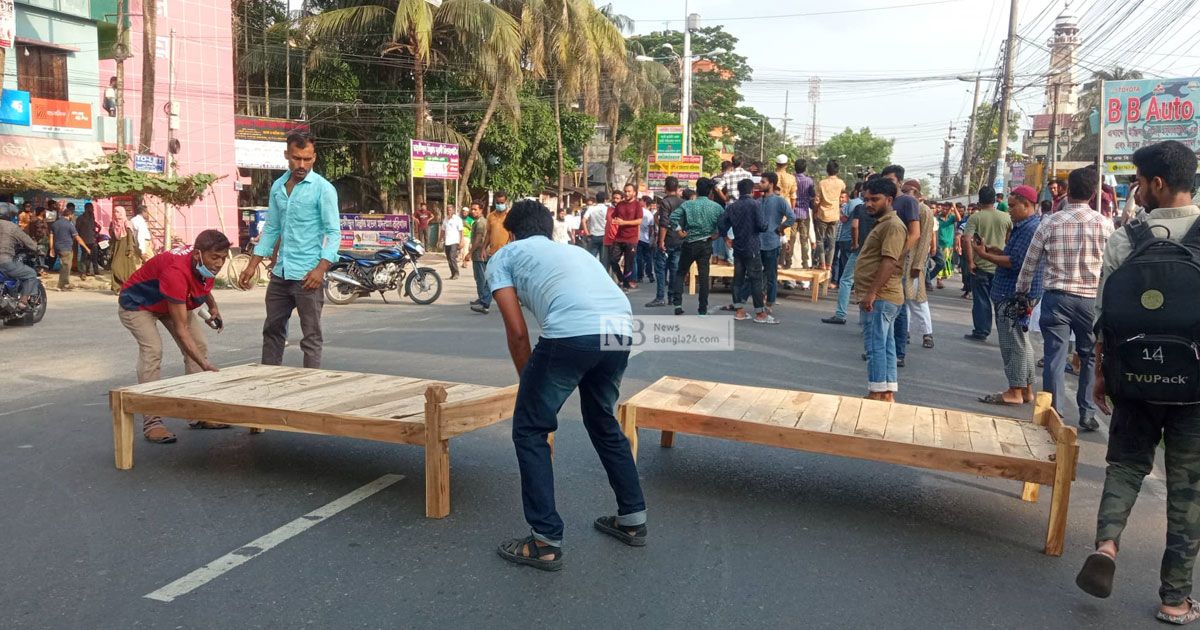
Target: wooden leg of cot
[[667, 440], [437, 456], [122, 432], [1060, 498], [1029, 492], [816, 289], [628, 419], [692, 284], [550, 441]]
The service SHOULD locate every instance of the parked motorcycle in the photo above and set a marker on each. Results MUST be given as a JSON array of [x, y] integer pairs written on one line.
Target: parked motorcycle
[[352, 277], [9, 312]]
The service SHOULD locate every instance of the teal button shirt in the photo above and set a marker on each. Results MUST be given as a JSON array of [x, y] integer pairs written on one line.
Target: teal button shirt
[[305, 224]]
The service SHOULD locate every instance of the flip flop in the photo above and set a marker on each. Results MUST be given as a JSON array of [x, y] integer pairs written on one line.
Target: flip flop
[[1190, 616], [998, 399], [1096, 577]]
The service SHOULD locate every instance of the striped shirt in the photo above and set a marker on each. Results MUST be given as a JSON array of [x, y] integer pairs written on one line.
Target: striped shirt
[[1071, 245]]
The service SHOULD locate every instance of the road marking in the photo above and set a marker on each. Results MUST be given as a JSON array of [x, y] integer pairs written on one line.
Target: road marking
[[9, 413], [261, 545]]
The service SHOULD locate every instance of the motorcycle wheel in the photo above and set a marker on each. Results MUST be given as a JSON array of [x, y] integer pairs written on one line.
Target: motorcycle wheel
[[34, 316], [424, 285], [340, 293]]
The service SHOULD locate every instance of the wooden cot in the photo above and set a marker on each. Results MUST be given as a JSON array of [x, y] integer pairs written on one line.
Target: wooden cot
[[396, 409], [1042, 452], [818, 279]]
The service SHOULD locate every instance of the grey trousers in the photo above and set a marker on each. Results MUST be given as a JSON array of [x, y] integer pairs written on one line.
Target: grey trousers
[[284, 296]]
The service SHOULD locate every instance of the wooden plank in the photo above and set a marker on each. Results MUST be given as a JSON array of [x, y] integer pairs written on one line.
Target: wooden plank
[[377, 406], [923, 428], [375, 390], [857, 446], [788, 412], [712, 400], [820, 413], [1066, 457], [901, 420], [256, 388], [413, 409], [1012, 438], [315, 390], [950, 430], [766, 405], [983, 435], [437, 456], [210, 378], [1039, 441], [658, 392], [873, 419], [847, 416], [122, 431], [480, 411], [738, 402]]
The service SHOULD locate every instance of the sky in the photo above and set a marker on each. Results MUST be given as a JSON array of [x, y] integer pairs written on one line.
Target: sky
[[891, 64]]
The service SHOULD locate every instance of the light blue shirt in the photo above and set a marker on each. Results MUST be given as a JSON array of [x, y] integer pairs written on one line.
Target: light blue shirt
[[564, 286], [305, 223], [778, 213]]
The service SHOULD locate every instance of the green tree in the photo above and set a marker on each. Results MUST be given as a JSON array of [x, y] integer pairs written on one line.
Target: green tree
[[855, 151], [520, 154], [987, 131], [1089, 101]]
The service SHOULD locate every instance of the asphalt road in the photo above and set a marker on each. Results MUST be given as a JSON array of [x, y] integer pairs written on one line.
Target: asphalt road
[[742, 536]]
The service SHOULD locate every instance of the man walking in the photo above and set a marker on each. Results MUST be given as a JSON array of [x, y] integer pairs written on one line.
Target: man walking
[[89, 259], [747, 223], [991, 227], [667, 243], [1141, 427], [302, 218], [778, 215], [877, 276], [861, 224], [825, 216], [63, 239], [798, 236], [916, 297], [452, 234], [1012, 325], [1071, 242], [479, 259], [696, 223], [627, 216], [586, 328]]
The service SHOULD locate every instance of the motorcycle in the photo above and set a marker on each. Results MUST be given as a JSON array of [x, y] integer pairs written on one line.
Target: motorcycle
[[352, 277], [9, 312]]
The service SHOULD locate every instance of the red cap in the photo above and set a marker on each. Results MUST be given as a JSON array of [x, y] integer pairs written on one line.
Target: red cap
[[1025, 192]]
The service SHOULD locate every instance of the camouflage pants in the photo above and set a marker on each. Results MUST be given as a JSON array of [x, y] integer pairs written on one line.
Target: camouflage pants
[[1136, 431]]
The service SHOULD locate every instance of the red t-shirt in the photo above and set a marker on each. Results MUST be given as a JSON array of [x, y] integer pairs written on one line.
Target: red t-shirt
[[610, 228], [628, 211], [165, 279]]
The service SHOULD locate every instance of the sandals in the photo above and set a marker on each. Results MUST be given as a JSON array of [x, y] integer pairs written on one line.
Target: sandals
[[511, 550], [768, 320], [1096, 578], [635, 538], [1190, 616], [927, 341], [998, 399], [204, 424], [155, 431], [741, 318]]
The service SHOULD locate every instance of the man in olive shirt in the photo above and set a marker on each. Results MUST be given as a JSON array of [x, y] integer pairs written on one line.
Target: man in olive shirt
[[696, 223], [992, 227], [877, 285]]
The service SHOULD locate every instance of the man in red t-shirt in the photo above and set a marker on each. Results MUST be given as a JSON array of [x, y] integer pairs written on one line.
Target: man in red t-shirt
[[167, 289], [627, 216]]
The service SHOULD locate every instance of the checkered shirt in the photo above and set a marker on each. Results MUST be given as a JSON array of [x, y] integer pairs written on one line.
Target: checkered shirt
[[1071, 245], [729, 181]]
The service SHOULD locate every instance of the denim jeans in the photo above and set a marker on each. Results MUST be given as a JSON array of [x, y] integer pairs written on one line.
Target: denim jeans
[[479, 270], [555, 369], [846, 286], [1062, 314], [595, 247], [770, 263], [748, 281], [880, 341], [981, 303], [841, 253], [666, 265], [700, 253], [645, 261], [26, 276], [901, 331]]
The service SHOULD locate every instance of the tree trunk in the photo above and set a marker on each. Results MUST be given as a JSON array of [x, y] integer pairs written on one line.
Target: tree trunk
[[464, 191], [613, 120], [149, 60], [266, 66], [419, 93], [562, 163]]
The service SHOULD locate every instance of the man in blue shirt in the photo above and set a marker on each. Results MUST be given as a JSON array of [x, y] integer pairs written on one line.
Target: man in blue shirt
[[587, 330], [778, 214], [1012, 324], [747, 223], [302, 218]]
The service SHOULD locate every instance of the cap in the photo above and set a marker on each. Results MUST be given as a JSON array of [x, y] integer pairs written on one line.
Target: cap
[[911, 183], [782, 159], [1025, 192]]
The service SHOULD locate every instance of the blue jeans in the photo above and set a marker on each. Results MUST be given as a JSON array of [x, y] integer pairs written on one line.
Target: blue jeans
[[666, 265], [770, 262], [26, 277], [841, 253], [555, 369], [645, 261], [595, 247], [479, 270], [846, 285], [981, 303], [880, 341], [1062, 314], [901, 333]]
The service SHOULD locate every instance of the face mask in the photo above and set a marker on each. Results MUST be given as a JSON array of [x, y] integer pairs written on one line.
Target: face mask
[[204, 272], [500, 207]]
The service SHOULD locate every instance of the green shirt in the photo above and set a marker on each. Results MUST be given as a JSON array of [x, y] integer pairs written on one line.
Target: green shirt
[[993, 226], [946, 231], [698, 218]]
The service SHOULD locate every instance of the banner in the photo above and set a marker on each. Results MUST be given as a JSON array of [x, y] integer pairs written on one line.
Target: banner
[[260, 143], [8, 23], [60, 116], [433, 160], [14, 107], [1142, 112], [370, 232], [687, 171], [669, 142], [149, 163]]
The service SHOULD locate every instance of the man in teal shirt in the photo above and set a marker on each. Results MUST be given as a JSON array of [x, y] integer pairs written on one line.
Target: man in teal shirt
[[303, 222], [696, 223]]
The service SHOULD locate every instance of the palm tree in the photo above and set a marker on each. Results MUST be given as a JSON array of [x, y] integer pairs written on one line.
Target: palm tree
[[1089, 100]]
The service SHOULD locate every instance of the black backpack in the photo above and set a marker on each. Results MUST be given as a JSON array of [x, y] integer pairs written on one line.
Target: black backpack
[[1150, 319]]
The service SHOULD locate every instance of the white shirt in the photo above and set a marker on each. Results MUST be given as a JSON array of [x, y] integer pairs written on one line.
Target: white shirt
[[573, 221], [561, 233], [646, 233], [452, 227], [597, 219], [141, 232]]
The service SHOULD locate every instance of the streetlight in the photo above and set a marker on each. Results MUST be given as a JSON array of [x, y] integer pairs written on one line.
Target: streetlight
[[685, 63]]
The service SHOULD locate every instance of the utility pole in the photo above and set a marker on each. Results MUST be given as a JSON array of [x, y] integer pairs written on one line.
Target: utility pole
[[304, 64], [685, 113], [945, 187], [172, 125], [814, 96], [149, 63], [1052, 147], [1005, 96], [786, 97], [762, 139], [121, 54], [969, 147]]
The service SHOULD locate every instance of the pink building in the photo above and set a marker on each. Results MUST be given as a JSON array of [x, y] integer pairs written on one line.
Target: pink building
[[204, 89]]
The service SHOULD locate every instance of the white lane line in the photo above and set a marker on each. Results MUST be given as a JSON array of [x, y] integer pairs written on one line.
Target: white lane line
[[9, 413], [261, 545]]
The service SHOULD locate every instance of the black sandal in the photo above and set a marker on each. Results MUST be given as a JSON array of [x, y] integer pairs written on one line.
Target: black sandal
[[608, 525], [511, 550], [1096, 576]]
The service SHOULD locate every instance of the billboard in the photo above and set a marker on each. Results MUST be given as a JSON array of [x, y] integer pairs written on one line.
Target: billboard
[[369, 232], [1145, 111], [60, 116], [669, 142], [261, 142], [14, 108], [8, 23], [433, 160], [687, 171]]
